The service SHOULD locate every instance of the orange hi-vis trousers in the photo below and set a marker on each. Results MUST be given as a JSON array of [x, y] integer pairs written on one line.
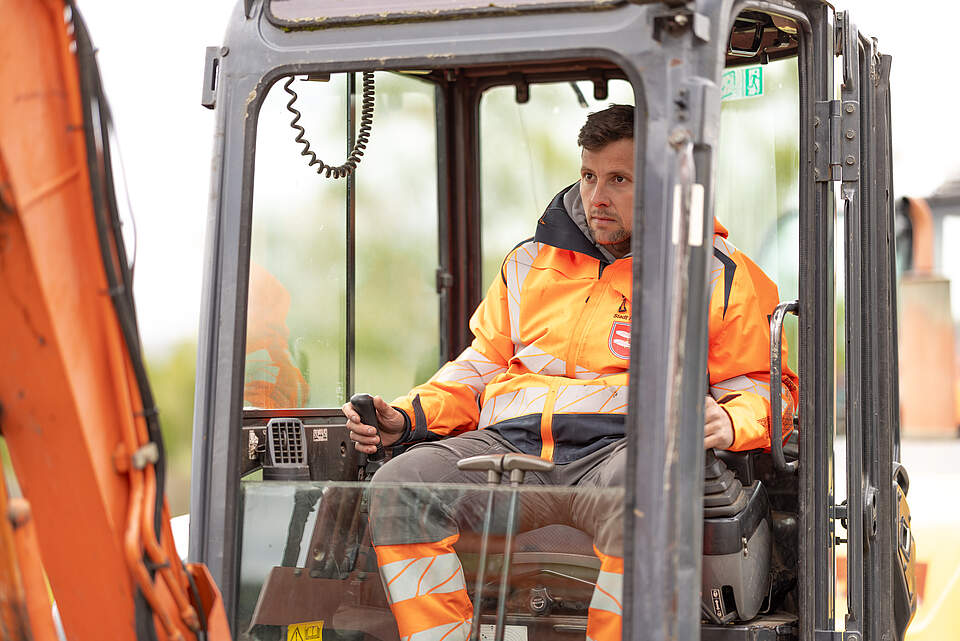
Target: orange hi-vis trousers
[[605, 620], [428, 596]]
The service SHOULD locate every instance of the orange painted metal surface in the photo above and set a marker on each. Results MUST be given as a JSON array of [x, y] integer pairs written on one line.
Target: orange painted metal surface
[[72, 413], [927, 349], [37, 603], [927, 357], [921, 221], [14, 622]]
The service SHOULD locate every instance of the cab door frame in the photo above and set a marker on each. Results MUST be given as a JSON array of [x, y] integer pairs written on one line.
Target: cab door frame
[[664, 588]]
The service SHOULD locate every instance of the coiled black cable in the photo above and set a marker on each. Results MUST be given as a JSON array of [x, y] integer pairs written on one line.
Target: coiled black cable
[[363, 134]]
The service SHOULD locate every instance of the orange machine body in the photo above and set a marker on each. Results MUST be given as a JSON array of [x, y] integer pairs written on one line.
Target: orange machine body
[[929, 385], [72, 412]]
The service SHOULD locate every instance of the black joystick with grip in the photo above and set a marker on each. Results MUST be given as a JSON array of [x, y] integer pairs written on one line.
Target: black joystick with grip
[[363, 403]]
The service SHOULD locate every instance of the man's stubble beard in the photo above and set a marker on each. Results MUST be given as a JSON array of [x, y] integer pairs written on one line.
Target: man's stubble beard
[[611, 237]]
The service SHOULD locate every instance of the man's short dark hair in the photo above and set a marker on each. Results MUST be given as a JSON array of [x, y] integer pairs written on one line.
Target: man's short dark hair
[[604, 127]]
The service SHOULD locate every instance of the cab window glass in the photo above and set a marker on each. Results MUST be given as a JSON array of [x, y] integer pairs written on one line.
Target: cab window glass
[[297, 347], [528, 153], [758, 172]]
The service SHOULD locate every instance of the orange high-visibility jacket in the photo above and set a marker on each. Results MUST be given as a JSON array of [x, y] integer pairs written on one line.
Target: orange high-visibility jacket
[[549, 363], [271, 378]]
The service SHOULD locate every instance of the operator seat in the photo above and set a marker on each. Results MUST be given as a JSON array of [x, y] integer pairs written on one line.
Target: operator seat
[[554, 567]]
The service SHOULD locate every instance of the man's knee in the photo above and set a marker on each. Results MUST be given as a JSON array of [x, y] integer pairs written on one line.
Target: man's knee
[[422, 464], [614, 470], [404, 505]]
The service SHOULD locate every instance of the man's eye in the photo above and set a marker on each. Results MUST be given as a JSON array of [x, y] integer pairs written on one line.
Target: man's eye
[[620, 179], [588, 176]]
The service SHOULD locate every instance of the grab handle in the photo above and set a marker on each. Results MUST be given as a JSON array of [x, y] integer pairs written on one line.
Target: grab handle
[[776, 374]]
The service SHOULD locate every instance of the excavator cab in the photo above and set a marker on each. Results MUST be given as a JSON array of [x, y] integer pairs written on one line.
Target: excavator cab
[[372, 166]]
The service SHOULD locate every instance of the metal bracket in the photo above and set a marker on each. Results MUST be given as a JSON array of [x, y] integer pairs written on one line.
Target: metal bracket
[[149, 453], [839, 512], [871, 511], [697, 98], [444, 280], [677, 20], [211, 74], [836, 146], [836, 635]]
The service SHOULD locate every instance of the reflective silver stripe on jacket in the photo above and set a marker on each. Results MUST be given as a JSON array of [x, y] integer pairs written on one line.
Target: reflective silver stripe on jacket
[[607, 595], [411, 578], [524, 401], [571, 399], [456, 631], [470, 368], [515, 270], [726, 248], [540, 362], [759, 385], [591, 399], [724, 245]]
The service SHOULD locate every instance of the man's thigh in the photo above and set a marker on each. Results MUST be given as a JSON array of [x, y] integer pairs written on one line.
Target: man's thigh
[[597, 506], [418, 496], [436, 461]]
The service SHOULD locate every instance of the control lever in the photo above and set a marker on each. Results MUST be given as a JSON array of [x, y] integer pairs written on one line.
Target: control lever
[[517, 465], [363, 403], [492, 464]]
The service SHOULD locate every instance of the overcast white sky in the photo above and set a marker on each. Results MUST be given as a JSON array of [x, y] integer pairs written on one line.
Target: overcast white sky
[[151, 60]]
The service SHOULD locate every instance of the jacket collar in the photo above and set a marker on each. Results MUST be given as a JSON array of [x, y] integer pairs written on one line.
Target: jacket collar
[[558, 229], [718, 229]]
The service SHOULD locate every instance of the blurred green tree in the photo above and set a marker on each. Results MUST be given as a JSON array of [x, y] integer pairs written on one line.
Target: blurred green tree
[[172, 373]]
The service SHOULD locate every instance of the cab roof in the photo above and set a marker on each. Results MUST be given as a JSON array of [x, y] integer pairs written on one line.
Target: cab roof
[[319, 14]]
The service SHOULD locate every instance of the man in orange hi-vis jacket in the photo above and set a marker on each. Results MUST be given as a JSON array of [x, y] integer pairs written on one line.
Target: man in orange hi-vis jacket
[[546, 375]]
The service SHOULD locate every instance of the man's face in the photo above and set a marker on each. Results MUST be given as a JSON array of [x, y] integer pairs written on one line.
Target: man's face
[[606, 187]]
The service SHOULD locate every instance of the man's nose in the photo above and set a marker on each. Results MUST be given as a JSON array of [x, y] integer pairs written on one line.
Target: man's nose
[[598, 195]]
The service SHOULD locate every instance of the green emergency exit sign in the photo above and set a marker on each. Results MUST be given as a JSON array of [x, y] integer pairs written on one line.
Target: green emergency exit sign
[[745, 82]]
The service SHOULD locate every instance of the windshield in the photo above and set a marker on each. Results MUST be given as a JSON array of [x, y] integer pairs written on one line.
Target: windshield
[[348, 292], [297, 333], [511, 207], [308, 564]]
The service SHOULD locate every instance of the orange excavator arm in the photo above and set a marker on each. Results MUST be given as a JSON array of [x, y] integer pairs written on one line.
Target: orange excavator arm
[[76, 410]]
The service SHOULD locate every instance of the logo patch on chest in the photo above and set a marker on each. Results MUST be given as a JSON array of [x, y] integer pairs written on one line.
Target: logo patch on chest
[[619, 341], [623, 313]]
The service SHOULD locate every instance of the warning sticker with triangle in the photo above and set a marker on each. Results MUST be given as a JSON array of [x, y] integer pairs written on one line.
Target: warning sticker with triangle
[[307, 631]]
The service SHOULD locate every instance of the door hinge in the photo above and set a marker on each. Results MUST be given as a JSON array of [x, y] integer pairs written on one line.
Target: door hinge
[[836, 141], [211, 75]]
